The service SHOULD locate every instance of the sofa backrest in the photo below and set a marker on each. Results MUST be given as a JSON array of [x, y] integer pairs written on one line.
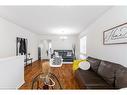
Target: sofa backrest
[[94, 63], [64, 53], [114, 74], [107, 71], [121, 77]]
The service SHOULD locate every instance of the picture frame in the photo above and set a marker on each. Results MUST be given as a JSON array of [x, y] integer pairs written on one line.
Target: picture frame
[[115, 35]]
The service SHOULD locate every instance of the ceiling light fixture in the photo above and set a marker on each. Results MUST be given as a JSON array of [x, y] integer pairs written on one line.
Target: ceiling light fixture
[[63, 37]]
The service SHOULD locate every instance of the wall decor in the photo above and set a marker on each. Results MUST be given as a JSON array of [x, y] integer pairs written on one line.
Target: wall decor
[[115, 35], [21, 46]]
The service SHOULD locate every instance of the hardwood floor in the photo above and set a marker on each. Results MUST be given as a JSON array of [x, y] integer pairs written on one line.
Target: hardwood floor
[[64, 74]]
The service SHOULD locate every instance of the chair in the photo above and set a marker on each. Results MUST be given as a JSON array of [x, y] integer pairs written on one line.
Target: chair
[[46, 79], [56, 61], [40, 82]]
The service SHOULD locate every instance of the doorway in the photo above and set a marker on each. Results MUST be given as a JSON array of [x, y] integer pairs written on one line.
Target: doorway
[[45, 49]]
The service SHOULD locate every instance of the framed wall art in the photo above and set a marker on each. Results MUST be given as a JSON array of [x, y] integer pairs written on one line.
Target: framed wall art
[[115, 35]]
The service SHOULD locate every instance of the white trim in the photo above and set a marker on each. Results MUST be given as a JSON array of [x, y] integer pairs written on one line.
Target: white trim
[[67, 63]]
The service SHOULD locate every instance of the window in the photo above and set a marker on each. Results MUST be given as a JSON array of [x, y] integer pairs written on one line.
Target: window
[[83, 47]]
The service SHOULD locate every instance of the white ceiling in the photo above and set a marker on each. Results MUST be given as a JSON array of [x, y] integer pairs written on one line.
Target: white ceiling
[[53, 19]]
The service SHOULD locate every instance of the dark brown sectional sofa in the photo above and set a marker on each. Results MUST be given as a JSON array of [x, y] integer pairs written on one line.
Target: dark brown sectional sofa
[[102, 75]]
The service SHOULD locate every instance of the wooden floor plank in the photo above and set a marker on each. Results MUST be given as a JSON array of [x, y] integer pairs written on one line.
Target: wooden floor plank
[[64, 74]]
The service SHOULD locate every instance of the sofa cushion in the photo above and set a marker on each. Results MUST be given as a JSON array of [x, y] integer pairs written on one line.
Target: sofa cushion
[[89, 79], [94, 63], [121, 77], [107, 71]]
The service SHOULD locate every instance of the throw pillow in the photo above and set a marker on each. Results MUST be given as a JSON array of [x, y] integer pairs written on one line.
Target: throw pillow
[[76, 64], [84, 65]]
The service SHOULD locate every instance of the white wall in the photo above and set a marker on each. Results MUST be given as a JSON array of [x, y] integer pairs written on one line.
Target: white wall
[[115, 53], [8, 34], [59, 44], [12, 72]]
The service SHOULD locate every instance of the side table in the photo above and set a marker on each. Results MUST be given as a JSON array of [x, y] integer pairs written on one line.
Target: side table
[[28, 59]]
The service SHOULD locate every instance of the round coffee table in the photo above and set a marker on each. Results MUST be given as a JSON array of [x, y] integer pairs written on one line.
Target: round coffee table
[[42, 81]]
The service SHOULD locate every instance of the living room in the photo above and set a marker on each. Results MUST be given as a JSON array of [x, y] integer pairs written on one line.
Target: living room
[[76, 39]]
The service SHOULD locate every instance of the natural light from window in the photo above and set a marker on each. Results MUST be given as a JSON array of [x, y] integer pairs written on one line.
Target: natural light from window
[[83, 47]]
